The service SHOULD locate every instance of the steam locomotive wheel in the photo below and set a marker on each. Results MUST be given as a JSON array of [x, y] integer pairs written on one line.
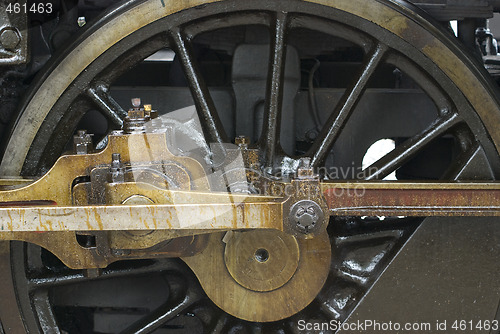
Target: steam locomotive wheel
[[164, 294]]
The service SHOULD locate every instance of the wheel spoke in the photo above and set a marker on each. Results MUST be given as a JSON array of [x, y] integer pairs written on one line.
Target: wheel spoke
[[330, 132], [161, 315], [219, 324], [42, 306], [270, 136], [462, 162], [404, 152], [78, 276], [205, 106], [99, 94]]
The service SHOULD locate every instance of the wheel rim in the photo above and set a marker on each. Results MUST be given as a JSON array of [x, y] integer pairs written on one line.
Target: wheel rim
[[28, 125], [446, 75]]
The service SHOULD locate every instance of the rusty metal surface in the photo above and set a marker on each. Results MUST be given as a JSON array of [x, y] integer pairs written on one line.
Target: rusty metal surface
[[192, 210], [178, 216], [413, 199]]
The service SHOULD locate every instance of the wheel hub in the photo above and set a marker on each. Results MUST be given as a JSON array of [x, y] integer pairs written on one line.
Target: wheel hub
[[242, 274], [261, 260]]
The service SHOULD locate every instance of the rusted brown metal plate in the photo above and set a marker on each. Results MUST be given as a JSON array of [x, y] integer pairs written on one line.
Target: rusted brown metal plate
[[412, 199]]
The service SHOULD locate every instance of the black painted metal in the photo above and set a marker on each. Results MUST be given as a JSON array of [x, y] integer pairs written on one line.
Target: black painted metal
[[108, 106], [166, 312], [270, 137], [440, 264], [408, 149], [447, 10], [209, 118], [345, 107]]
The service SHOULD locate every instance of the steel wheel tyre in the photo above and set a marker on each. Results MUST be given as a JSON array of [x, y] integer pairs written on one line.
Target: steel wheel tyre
[[397, 33]]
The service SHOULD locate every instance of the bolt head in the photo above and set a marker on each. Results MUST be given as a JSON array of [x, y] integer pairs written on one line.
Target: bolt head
[[10, 38], [135, 121], [82, 142], [242, 141], [305, 173], [147, 110], [117, 171], [116, 160], [305, 215], [304, 170]]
